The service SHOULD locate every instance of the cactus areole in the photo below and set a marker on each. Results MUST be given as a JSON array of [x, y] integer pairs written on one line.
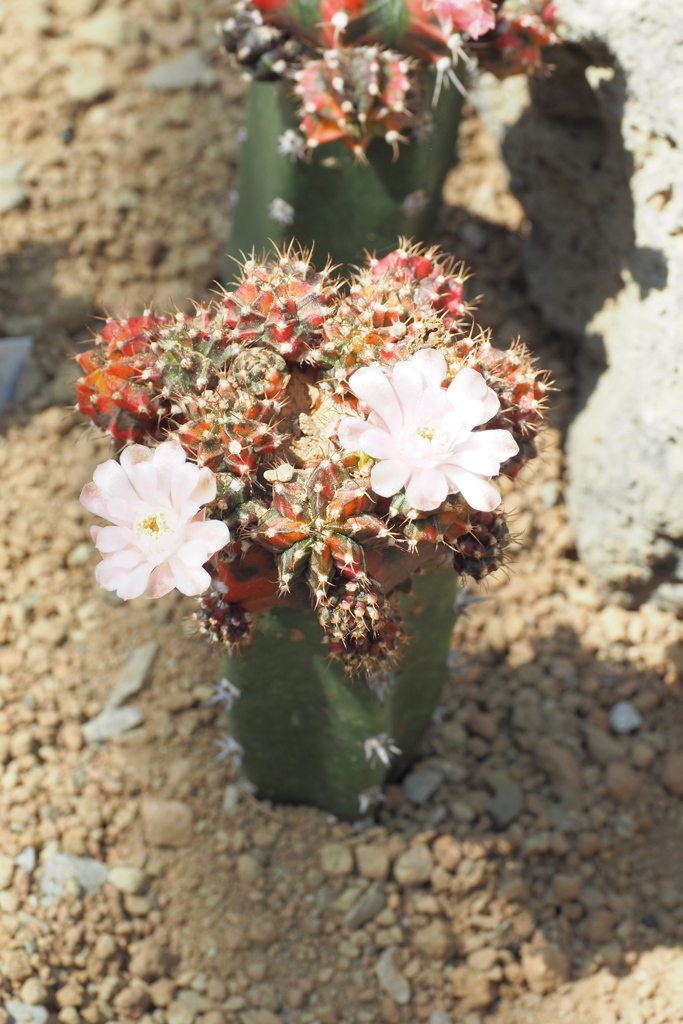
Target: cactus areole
[[354, 110], [308, 458]]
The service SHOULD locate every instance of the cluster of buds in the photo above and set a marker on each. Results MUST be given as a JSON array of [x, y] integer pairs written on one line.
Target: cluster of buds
[[357, 65], [311, 442]]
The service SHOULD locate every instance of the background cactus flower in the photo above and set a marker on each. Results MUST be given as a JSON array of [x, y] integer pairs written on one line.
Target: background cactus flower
[[160, 538], [424, 437], [475, 17]]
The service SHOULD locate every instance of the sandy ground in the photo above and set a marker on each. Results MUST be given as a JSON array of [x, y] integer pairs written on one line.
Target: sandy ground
[[536, 873]]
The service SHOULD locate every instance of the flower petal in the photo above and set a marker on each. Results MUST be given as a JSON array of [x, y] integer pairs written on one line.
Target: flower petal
[[145, 479], [113, 538], [161, 582], [205, 487], [431, 364], [373, 387], [378, 444], [350, 433], [168, 456], [389, 476], [408, 384], [113, 480], [95, 500], [183, 482], [134, 583], [468, 385], [109, 575], [189, 581], [212, 534], [133, 454], [426, 489], [477, 492], [489, 407], [499, 443]]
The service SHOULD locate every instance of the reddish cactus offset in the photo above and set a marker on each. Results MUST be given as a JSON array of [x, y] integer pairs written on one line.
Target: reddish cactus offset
[[121, 386], [357, 65], [354, 95]]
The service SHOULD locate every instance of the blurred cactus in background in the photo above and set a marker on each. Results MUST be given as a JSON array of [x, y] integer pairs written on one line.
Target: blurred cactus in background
[[341, 438], [354, 111]]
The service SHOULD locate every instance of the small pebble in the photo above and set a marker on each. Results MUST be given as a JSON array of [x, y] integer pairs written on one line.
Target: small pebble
[[625, 717], [127, 879], [390, 978], [419, 786]]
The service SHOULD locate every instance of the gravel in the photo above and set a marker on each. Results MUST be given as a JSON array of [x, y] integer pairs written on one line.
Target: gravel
[[542, 661]]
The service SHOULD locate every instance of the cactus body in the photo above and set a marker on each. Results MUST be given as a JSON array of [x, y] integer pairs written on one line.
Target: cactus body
[[330, 200], [304, 726]]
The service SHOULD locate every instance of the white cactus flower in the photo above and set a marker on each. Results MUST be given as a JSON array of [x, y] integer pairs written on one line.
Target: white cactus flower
[[425, 437], [160, 538]]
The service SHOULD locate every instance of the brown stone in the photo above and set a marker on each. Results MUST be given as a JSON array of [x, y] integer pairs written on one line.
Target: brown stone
[[336, 859], [17, 966], [672, 774], [70, 995], [545, 968], [373, 861], [435, 940], [600, 925], [447, 852], [561, 765], [131, 1001], [260, 1017], [167, 822], [603, 748], [162, 991], [482, 723], [623, 783], [482, 959], [71, 736], [474, 989], [414, 866], [567, 887], [150, 961]]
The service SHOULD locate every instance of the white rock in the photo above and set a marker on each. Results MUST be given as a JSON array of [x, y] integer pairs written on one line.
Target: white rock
[[625, 717], [26, 859], [133, 675], [86, 84], [62, 868], [107, 28], [24, 1013], [112, 722], [186, 72], [390, 978]]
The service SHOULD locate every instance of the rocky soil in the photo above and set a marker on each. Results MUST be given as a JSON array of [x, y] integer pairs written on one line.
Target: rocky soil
[[529, 867]]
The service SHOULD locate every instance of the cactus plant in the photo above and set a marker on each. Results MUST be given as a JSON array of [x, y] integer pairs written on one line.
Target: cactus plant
[[311, 453], [354, 109]]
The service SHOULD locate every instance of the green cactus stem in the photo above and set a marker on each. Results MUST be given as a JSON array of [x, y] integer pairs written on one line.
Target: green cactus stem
[[340, 206], [304, 725]]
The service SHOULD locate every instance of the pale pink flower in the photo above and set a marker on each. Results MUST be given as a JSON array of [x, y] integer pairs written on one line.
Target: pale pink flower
[[474, 17], [423, 436], [160, 538]]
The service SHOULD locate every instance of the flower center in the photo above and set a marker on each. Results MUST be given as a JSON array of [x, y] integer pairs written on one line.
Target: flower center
[[153, 525], [431, 434]]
